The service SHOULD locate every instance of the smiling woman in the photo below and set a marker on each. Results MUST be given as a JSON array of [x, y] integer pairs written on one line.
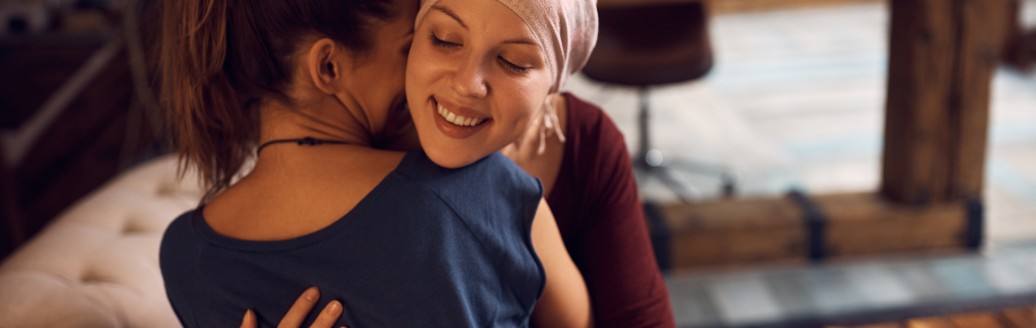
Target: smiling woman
[[484, 76], [476, 79]]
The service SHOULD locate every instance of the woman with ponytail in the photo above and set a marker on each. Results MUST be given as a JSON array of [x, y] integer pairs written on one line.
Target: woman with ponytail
[[307, 87]]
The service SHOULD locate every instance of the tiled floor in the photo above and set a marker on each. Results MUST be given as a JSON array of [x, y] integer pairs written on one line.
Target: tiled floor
[[858, 292], [796, 98]]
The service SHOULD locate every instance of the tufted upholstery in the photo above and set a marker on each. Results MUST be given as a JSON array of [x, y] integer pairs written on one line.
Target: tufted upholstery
[[96, 265]]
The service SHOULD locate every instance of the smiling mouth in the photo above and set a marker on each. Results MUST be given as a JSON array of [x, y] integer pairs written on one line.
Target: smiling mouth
[[457, 119]]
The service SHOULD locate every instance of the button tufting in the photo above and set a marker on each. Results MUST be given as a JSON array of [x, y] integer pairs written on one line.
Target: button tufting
[[94, 277], [166, 189], [98, 262], [132, 227]]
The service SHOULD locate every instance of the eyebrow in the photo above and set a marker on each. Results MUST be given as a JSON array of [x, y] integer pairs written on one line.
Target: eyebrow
[[522, 41], [452, 14]]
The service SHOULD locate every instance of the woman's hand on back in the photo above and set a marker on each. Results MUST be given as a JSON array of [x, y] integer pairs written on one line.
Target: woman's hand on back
[[303, 305]]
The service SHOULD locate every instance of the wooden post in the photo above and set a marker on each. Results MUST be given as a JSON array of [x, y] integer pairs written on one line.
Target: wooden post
[[942, 57]]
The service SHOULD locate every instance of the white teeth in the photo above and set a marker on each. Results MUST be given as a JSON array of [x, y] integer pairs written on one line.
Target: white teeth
[[457, 119]]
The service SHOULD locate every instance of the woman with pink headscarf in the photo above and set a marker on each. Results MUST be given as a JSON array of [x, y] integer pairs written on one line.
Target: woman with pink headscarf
[[487, 75], [484, 76]]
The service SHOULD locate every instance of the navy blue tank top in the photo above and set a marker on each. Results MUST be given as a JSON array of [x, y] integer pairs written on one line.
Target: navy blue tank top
[[427, 247]]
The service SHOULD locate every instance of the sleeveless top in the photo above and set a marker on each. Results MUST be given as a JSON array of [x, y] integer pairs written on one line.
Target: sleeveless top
[[428, 246]]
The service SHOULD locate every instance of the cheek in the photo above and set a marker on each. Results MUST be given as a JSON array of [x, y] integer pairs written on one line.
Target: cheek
[[532, 95], [425, 74], [417, 68]]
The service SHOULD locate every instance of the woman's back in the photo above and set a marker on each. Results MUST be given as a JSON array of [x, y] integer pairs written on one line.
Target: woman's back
[[426, 245]]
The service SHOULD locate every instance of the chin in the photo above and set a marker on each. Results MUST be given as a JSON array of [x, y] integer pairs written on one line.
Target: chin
[[450, 161]]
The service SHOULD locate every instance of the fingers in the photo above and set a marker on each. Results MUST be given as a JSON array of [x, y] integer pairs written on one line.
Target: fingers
[[329, 316], [300, 309], [249, 320]]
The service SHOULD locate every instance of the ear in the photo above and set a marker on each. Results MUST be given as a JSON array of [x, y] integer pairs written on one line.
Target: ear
[[325, 65]]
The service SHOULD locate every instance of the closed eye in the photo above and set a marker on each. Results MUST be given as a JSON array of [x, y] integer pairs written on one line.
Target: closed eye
[[436, 41], [512, 66]]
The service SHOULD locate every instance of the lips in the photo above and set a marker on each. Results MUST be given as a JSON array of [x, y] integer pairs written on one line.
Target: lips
[[456, 121]]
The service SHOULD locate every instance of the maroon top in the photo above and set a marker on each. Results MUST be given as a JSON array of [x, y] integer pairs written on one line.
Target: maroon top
[[598, 211]]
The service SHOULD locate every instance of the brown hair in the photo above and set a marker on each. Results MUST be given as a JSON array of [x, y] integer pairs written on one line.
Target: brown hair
[[218, 57]]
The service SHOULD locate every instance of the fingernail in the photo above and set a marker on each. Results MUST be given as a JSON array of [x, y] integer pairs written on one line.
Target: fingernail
[[247, 312], [312, 294], [336, 307]]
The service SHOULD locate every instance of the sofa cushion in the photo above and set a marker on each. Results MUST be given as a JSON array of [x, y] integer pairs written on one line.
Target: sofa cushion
[[96, 265]]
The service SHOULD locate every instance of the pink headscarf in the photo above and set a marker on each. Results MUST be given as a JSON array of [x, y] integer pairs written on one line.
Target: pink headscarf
[[565, 29]]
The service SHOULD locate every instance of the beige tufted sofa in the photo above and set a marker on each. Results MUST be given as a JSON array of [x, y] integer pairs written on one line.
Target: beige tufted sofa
[[96, 265]]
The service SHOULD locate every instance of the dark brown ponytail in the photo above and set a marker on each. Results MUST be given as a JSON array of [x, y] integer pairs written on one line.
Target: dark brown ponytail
[[219, 57]]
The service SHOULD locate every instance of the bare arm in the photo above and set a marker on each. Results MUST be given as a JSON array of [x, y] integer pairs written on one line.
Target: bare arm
[[565, 301]]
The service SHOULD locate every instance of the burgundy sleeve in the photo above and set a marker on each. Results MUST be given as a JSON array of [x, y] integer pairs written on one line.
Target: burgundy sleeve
[[615, 253]]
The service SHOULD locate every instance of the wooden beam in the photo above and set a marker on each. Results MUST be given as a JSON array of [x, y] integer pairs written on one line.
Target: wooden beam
[[942, 57], [734, 232], [865, 224], [774, 230]]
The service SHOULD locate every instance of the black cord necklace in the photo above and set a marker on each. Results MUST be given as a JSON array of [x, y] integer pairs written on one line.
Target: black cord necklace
[[307, 141]]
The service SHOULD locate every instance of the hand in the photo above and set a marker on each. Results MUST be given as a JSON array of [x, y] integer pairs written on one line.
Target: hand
[[299, 310]]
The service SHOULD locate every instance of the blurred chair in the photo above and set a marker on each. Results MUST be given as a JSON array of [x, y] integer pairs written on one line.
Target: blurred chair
[[649, 44]]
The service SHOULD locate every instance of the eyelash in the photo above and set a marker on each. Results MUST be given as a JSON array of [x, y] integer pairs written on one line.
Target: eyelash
[[511, 66], [436, 41]]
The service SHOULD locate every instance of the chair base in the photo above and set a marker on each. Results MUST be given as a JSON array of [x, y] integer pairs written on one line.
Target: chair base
[[652, 163]]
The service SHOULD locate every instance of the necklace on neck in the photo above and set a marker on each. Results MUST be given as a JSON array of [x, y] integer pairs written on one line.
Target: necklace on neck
[[307, 141]]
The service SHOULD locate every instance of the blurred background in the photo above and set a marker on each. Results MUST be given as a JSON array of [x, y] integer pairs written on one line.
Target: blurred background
[[766, 175], [76, 104]]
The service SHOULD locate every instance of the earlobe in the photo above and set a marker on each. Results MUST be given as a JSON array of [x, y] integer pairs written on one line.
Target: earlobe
[[323, 66]]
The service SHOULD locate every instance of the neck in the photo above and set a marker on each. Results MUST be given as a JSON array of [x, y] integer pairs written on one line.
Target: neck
[[326, 120]]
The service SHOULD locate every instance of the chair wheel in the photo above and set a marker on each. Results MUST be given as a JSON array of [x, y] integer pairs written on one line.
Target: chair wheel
[[729, 185]]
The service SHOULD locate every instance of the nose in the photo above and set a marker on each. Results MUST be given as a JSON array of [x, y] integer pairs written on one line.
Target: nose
[[469, 80]]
